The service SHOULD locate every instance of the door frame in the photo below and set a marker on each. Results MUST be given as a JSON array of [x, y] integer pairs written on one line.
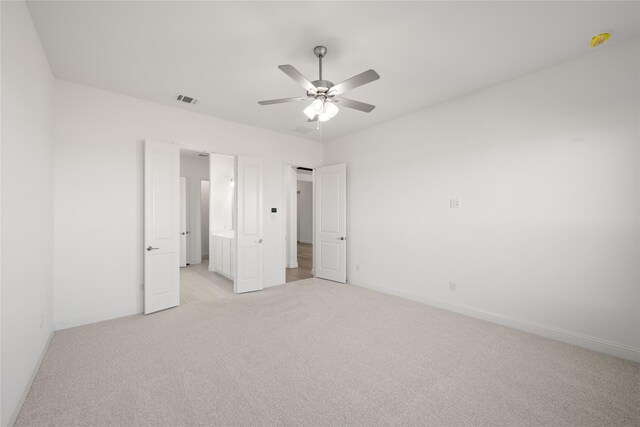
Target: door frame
[[285, 197], [201, 149]]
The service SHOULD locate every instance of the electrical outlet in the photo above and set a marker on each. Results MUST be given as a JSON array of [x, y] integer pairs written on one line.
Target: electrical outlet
[[452, 287]]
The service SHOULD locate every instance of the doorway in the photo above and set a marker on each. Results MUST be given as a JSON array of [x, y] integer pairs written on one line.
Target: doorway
[[163, 199], [198, 280], [300, 224]]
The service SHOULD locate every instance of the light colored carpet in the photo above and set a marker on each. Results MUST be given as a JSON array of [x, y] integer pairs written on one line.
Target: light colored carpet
[[197, 283], [321, 353]]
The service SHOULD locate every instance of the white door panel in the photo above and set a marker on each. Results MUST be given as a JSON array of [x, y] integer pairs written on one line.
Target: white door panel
[[330, 259], [331, 222], [330, 207], [249, 262], [161, 226]]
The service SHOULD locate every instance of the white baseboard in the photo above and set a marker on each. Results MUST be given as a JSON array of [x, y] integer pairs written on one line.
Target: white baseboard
[[309, 242], [32, 377], [72, 322], [292, 265], [569, 337]]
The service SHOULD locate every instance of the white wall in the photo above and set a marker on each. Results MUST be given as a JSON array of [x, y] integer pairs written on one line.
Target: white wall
[[305, 206], [27, 206], [222, 193], [304, 176], [194, 167], [98, 193], [548, 236], [195, 170]]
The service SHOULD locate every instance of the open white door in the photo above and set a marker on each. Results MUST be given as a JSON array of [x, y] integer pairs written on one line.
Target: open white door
[[161, 226], [183, 221], [249, 254], [331, 223]]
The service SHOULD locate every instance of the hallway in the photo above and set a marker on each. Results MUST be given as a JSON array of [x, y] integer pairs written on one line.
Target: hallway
[[305, 264]]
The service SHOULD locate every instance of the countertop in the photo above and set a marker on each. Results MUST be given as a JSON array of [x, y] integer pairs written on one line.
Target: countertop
[[223, 234]]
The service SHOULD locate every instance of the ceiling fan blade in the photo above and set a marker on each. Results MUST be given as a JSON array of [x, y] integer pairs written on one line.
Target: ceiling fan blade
[[356, 105], [296, 75], [280, 101], [355, 81], [315, 119]]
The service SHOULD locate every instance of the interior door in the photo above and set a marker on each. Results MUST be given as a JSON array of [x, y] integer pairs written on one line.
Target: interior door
[[249, 236], [331, 223], [183, 221], [161, 226]]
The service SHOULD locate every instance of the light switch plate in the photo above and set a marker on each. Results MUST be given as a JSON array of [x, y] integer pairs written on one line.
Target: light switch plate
[[455, 203]]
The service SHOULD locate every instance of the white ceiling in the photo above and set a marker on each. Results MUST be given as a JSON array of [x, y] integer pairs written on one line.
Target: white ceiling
[[227, 53]]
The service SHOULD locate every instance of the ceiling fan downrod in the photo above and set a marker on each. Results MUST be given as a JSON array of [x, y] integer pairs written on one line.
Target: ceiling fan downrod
[[320, 52]]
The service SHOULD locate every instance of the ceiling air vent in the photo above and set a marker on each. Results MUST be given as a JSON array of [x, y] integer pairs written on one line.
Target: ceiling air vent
[[188, 99]]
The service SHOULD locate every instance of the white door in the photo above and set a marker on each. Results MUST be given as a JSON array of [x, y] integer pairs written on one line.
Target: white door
[[183, 221], [249, 270], [331, 223], [161, 226]]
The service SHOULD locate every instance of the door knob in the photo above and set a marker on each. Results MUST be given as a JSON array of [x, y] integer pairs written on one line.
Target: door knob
[[183, 233], [149, 248], [259, 241], [341, 238]]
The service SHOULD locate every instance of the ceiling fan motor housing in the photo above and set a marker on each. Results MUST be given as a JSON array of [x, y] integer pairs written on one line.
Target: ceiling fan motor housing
[[323, 87]]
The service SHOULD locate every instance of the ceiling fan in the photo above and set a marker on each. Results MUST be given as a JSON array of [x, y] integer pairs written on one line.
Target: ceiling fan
[[325, 95]]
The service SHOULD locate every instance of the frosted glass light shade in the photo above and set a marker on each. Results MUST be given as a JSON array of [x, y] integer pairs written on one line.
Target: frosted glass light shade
[[310, 112], [331, 109], [317, 105], [324, 110]]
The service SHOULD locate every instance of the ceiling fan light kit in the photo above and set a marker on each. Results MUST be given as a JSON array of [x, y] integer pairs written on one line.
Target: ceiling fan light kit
[[325, 95]]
